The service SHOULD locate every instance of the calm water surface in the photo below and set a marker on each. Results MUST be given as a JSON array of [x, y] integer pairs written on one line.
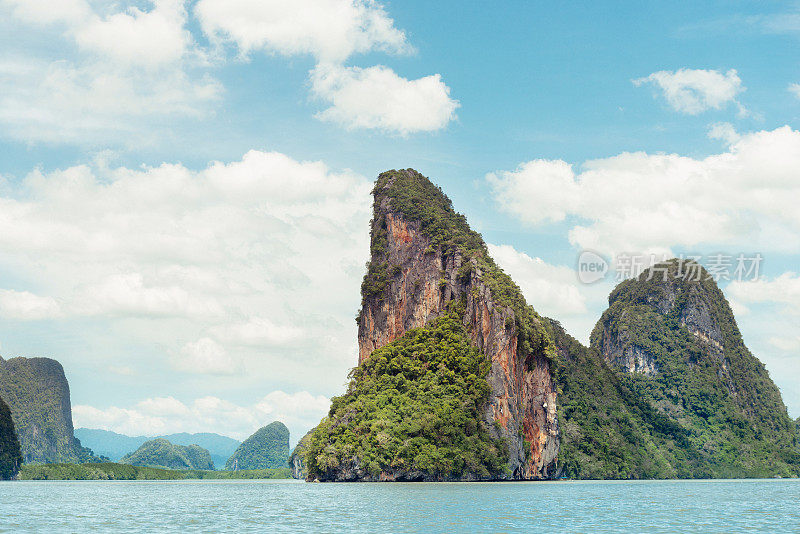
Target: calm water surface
[[289, 506]]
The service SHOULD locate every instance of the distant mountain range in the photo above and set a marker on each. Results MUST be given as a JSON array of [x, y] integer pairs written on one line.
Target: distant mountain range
[[115, 446]]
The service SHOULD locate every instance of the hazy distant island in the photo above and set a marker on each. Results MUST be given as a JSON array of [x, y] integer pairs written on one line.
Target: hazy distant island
[[114, 445], [37, 440]]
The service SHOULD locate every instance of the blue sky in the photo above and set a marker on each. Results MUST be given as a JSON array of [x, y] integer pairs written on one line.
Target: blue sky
[[185, 184]]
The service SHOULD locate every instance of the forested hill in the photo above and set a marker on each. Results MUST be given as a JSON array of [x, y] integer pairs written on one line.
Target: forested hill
[[672, 339], [267, 448], [161, 453], [115, 445], [458, 378]]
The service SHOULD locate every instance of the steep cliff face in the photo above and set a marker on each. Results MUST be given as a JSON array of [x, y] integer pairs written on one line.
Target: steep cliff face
[[10, 454], [424, 257], [459, 379], [673, 336], [37, 392], [297, 460], [669, 290]]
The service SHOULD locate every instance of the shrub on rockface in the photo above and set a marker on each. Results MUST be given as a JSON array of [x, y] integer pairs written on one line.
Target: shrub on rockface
[[413, 406]]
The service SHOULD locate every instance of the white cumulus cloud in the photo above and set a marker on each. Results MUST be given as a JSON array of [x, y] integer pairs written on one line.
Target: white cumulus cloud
[[247, 265], [69, 12], [549, 185], [147, 38], [693, 91], [377, 98], [637, 202], [27, 306], [115, 73], [786, 344], [206, 356], [329, 30], [783, 289]]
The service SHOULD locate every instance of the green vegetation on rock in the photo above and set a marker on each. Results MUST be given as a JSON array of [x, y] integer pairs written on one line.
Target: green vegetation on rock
[[115, 446], [245, 474], [267, 448], [37, 392], [114, 471], [96, 471], [297, 460], [161, 453], [707, 381], [10, 453], [420, 200], [412, 408], [607, 431], [667, 388]]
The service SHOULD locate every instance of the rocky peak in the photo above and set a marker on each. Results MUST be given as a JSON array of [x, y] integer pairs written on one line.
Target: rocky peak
[[677, 290], [423, 256]]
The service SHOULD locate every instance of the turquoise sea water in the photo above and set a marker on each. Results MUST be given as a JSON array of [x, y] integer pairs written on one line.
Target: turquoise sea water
[[289, 506]]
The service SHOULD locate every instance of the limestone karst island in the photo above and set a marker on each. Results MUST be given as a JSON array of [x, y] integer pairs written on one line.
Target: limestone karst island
[[384, 266], [459, 379]]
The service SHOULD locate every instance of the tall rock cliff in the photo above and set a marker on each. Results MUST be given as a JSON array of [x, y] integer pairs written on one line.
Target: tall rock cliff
[[459, 379], [297, 460], [672, 336], [10, 454], [425, 258], [37, 392]]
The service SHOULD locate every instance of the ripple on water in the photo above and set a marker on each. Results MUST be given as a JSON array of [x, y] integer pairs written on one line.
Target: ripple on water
[[283, 506]]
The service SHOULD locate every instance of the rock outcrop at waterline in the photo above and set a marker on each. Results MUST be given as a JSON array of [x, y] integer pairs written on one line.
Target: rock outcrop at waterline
[[10, 454], [297, 460], [425, 258]]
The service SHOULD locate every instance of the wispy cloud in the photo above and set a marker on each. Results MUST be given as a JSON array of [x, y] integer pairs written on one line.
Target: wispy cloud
[[693, 91]]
